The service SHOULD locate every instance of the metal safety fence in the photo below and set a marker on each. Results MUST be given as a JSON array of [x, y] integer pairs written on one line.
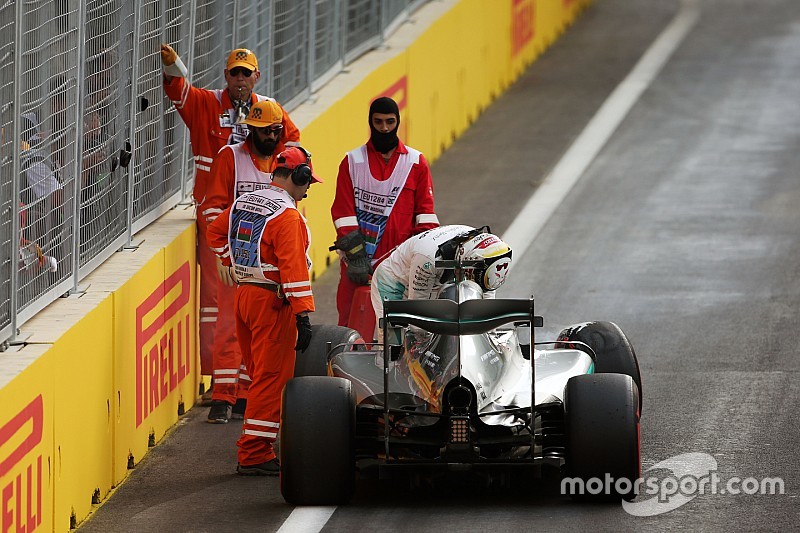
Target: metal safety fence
[[91, 151]]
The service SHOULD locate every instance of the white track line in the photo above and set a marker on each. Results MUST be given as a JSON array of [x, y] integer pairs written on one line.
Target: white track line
[[307, 519], [558, 183], [585, 148]]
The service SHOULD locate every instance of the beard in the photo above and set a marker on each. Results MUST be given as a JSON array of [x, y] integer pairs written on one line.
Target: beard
[[264, 147], [384, 142]]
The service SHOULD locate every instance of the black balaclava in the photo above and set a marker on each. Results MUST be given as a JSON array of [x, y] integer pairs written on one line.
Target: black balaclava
[[384, 142]]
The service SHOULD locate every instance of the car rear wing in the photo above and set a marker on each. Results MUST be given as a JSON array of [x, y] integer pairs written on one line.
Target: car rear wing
[[471, 317]]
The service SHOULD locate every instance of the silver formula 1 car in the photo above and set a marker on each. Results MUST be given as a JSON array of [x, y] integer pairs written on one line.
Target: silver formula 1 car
[[458, 385]]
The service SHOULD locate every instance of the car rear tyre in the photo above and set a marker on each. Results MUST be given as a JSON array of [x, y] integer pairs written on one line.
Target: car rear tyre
[[615, 354], [317, 441], [314, 361], [603, 456]]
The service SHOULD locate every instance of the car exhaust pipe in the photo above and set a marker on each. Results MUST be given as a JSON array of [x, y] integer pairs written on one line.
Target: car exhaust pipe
[[459, 399]]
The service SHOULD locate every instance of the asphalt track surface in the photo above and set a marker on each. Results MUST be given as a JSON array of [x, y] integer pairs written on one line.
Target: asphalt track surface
[[683, 230]]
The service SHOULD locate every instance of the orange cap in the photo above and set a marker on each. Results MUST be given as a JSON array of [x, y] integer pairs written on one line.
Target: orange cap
[[264, 113], [242, 57]]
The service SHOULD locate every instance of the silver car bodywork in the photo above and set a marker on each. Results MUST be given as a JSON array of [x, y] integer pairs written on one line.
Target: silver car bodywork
[[483, 378], [492, 362]]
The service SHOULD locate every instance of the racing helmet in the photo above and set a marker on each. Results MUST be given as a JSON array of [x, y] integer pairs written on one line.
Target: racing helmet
[[448, 249], [496, 256]]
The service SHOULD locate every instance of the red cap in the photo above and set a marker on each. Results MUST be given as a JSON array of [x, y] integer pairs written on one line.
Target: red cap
[[294, 156]]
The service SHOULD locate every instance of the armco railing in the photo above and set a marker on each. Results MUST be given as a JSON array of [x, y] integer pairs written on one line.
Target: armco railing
[[91, 150]]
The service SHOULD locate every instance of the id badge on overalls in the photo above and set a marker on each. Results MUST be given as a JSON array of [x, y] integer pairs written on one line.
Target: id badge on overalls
[[225, 120], [238, 131]]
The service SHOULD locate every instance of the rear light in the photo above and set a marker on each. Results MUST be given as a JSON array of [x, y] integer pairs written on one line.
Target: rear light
[[459, 430]]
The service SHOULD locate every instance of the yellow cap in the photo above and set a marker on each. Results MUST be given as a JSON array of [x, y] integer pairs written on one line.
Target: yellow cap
[[264, 113], [242, 57]]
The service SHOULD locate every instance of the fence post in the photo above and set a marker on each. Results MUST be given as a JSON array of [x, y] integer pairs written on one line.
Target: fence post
[[234, 29], [311, 58], [270, 51], [345, 5], [185, 143], [80, 89], [137, 31], [16, 230]]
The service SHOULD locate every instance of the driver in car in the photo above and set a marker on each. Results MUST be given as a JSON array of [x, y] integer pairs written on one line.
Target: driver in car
[[410, 270]]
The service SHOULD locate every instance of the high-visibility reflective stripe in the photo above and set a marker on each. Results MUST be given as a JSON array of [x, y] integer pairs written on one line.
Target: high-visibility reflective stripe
[[209, 309], [225, 380], [226, 371], [203, 167], [212, 210], [244, 377], [427, 219], [185, 92], [255, 433], [262, 423], [203, 158], [299, 294], [219, 250], [297, 284], [345, 221], [208, 319]]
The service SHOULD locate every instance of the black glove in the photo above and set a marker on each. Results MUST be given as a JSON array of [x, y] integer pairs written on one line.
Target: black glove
[[303, 332], [359, 267]]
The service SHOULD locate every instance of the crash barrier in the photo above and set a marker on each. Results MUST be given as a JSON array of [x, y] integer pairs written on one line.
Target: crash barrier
[[92, 151], [107, 371], [102, 379]]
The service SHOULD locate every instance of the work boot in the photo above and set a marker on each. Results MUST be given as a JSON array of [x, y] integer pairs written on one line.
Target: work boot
[[238, 409], [219, 413], [270, 468], [205, 399]]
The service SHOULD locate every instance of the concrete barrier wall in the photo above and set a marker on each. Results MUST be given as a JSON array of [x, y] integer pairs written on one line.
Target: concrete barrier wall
[[107, 373], [103, 377]]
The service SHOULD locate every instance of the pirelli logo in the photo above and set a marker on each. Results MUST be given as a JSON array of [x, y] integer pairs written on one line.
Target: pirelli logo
[[397, 91], [522, 25], [21, 494], [163, 342]]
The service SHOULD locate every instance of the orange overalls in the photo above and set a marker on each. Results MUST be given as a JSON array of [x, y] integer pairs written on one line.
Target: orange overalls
[[207, 114], [235, 171], [266, 239]]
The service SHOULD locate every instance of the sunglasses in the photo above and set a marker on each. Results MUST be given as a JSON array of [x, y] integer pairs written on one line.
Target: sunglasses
[[240, 70], [274, 130]]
